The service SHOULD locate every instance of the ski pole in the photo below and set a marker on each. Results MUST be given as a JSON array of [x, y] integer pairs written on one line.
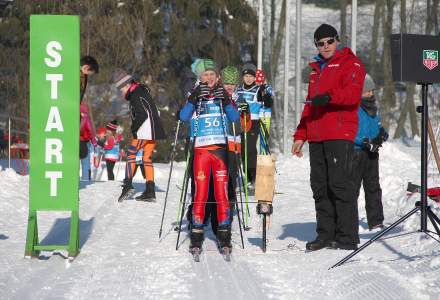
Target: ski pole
[[246, 193], [185, 189], [265, 135], [239, 187], [173, 152], [227, 156], [183, 182]]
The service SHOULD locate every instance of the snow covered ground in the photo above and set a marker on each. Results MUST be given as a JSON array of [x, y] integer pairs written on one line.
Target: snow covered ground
[[122, 258]]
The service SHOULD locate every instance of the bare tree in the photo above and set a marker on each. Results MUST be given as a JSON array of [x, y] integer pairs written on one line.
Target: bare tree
[[374, 38], [409, 105], [388, 96], [343, 14]]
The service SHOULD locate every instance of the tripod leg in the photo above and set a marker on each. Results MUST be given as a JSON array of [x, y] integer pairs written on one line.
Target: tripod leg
[[376, 237], [264, 233], [432, 217]]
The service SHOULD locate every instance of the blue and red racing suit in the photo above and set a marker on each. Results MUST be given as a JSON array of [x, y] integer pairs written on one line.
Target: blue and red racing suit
[[208, 122]]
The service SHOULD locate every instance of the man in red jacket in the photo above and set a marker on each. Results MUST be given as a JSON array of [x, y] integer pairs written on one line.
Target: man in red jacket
[[329, 122]]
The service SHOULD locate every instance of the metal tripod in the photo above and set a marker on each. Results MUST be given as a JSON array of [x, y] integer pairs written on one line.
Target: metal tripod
[[422, 205]]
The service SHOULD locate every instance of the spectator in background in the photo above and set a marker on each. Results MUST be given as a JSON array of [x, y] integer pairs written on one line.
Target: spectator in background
[[87, 135], [329, 123], [89, 66], [111, 148], [146, 128], [369, 138]]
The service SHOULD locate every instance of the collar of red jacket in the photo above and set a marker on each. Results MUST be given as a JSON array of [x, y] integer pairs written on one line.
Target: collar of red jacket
[[338, 54]]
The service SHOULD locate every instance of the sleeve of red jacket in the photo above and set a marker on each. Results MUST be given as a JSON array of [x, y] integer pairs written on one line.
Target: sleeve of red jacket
[[350, 92], [301, 129]]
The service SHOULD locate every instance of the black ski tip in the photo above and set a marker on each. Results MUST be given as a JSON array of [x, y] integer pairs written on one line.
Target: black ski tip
[[247, 228]]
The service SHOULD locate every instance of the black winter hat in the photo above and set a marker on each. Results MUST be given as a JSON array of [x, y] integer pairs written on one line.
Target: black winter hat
[[325, 30], [249, 68]]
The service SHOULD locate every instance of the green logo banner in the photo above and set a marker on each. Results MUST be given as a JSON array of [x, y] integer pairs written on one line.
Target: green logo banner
[[54, 112], [54, 124]]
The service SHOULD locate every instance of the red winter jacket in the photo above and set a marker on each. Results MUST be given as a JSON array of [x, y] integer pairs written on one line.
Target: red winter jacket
[[86, 131], [342, 78]]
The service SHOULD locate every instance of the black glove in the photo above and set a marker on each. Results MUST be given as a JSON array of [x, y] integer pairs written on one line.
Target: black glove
[[177, 116], [243, 106], [134, 133], [221, 94], [320, 100], [381, 137], [200, 91], [370, 145]]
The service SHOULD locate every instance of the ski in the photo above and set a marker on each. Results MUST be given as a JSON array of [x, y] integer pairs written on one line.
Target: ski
[[195, 252], [226, 253]]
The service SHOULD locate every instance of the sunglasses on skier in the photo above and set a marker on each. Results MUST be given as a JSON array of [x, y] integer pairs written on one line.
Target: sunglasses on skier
[[328, 42]]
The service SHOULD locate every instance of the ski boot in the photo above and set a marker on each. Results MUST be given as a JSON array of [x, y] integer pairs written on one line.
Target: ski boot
[[195, 247], [127, 190], [224, 241], [318, 244], [149, 195]]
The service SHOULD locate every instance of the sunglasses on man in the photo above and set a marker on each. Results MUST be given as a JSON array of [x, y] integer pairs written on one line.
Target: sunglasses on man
[[329, 42]]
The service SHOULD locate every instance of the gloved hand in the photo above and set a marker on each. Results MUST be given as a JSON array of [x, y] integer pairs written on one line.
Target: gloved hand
[[134, 133], [370, 145], [221, 94], [200, 91], [177, 116], [320, 100], [381, 137], [243, 107]]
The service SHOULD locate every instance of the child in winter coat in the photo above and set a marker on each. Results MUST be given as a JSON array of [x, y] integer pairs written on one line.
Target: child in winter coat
[[257, 98], [146, 128], [111, 148], [369, 139], [208, 107]]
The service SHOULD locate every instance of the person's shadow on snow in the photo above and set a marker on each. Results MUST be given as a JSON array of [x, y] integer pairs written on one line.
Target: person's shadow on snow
[[3, 237], [299, 231]]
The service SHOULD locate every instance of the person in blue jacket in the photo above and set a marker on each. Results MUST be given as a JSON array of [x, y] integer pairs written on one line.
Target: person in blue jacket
[[369, 139], [209, 110]]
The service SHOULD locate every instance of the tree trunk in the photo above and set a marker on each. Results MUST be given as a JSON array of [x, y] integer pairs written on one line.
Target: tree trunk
[[431, 14], [276, 50], [388, 96], [374, 40], [343, 30]]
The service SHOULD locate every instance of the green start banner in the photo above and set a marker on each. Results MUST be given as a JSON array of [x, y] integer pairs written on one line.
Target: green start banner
[[54, 124], [54, 112]]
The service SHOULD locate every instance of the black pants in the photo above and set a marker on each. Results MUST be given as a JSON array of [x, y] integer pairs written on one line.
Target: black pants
[[366, 166], [110, 166], [251, 144], [334, 191]]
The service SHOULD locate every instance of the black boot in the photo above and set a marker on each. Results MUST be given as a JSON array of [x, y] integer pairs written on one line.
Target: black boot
[[196, 238], [318, 244], [149, 194], [224, 236], [127, 190]]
